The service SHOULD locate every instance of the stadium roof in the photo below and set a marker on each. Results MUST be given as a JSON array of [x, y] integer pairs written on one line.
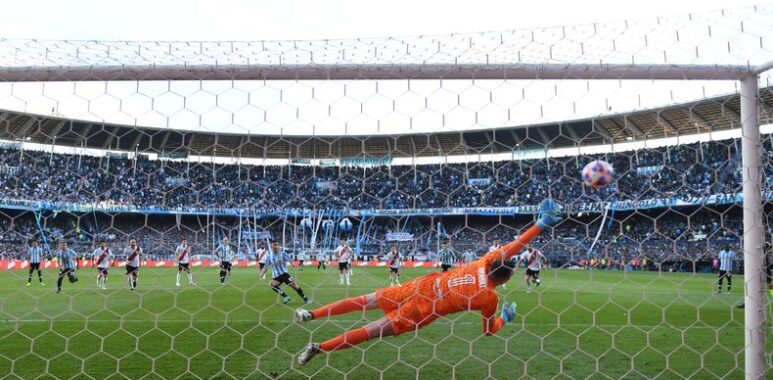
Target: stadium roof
[[346, 91], [707, 115]]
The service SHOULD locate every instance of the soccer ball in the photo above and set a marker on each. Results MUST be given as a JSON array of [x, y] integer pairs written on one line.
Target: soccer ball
[[597, 174]]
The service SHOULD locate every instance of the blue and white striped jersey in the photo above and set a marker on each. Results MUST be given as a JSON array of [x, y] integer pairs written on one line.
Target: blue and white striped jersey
[[66, 258], [726, 260], [447, 256], [34, 254], [224, 252], [469, 257], [278, 262]]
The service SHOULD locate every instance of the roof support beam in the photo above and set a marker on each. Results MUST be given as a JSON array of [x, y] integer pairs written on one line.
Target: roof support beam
[[629, 123], [663, 120], [544, 136], [602, 130], [58, 127], [24, 129]]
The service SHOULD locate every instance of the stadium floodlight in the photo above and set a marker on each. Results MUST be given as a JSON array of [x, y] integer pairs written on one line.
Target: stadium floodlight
[[342, 148]]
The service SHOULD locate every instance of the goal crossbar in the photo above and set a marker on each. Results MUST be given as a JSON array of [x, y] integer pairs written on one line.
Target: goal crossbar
[[376, 72]]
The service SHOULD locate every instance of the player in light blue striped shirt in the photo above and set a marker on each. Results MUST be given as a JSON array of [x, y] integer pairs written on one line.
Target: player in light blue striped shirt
[[446, 257], [66, 257], [726, 267], [278, 260], [469, 257], [225, 254], [35, 256]]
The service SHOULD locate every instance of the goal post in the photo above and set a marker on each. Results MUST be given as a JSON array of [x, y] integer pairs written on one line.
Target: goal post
[[753, 242]]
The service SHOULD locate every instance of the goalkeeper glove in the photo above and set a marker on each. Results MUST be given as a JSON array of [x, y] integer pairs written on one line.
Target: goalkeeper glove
[[548, 214], [508, 312]]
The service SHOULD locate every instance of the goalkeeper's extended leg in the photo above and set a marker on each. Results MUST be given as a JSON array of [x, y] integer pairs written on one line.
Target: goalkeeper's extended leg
[[348, 305], [379, 328]]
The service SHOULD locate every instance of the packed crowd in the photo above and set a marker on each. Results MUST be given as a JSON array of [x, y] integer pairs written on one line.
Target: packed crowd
[[692, 235], [683, 171], [659, 237]]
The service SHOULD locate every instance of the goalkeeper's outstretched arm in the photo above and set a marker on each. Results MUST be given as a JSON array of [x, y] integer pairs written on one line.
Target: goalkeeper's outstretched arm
[[493, 323], [548, 217]]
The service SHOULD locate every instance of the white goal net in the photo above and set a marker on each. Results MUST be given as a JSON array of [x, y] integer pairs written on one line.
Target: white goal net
[[439, 147]]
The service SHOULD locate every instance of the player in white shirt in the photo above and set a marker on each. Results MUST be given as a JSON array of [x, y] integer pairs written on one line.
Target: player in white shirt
[[183, 253], [495, 246], [534, 261], [102, 256], [260, 254], [133, 253], [344, 254], [726, 268], [393, 261]]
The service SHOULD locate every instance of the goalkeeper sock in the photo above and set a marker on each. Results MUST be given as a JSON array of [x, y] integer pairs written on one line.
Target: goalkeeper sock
[[349, 339], [340, 307]]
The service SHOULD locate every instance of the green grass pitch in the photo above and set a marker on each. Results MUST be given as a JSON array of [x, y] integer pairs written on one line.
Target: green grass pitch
[[579, 324]]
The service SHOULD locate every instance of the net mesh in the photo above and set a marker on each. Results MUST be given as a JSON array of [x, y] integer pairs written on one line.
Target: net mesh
[[95, 152]]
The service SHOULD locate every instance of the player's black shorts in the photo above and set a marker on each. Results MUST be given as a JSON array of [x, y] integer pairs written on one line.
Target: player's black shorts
[[131, 269], [262, 265], [34, 266], [445, 267], [394, 270], [184, 266], [284, 278], [226, 265], [533, 273], [102, 271], [724, 273], [343, 265]]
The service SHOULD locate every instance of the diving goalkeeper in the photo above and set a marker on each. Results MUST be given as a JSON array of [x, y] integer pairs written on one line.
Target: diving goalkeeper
[[419, 302]]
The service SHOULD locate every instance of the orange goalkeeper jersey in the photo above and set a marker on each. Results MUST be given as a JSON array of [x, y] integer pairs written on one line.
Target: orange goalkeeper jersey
[[419, 302]]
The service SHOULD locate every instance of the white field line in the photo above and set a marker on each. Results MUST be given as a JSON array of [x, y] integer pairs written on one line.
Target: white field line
[[342, 321]]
